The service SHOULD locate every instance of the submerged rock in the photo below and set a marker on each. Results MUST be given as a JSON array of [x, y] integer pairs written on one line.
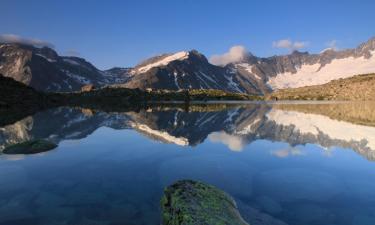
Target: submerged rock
[[191, 202], [30, 147]]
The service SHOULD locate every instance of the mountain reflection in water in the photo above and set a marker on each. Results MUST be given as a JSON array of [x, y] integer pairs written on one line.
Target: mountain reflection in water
[[347, 125], [284, 163]]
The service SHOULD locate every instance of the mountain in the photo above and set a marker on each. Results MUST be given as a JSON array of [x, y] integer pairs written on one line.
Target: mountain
[[253, 75], [300, 69], [186, 70], [44, 70]]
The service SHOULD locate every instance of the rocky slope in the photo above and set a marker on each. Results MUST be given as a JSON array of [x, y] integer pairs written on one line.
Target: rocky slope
[[361, 87], [44, 70]]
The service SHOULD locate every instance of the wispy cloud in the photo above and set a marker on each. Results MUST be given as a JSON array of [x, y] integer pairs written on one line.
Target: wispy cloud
[[235, 54], [12, 38], [332, 44], [289, 44]]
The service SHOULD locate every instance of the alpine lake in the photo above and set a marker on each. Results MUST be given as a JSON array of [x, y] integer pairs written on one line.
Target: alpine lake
[[295, 163]]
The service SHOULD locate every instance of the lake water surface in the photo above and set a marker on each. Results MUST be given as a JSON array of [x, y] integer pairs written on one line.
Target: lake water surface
[[296, 164]]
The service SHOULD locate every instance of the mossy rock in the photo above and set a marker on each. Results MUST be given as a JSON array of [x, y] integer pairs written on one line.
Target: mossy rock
[[30, 147], [188, 202]]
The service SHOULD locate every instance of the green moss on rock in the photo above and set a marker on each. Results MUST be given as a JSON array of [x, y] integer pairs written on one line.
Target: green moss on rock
[[190, 202], [30, 147]]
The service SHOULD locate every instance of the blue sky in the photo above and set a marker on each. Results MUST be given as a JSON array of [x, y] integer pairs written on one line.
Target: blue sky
[[122, 33]]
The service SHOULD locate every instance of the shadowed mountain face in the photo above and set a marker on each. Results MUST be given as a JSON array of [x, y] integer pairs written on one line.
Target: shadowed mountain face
[[347, 125]]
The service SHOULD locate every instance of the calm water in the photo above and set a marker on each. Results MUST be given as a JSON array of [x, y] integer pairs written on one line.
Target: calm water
[[297, 164]]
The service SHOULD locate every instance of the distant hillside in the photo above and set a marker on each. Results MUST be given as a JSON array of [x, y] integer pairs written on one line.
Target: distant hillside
[[360, 87], [18, 100]]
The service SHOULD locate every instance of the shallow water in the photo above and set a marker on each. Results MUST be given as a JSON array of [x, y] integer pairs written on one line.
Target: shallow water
[[296, 164]]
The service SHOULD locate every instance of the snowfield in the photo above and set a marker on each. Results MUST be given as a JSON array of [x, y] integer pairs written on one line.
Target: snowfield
[[165, 61], [308, 75]]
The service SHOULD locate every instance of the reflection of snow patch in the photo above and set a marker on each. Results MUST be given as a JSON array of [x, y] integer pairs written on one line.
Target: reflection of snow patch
[[314, 124], [162, 134], [249, 128]]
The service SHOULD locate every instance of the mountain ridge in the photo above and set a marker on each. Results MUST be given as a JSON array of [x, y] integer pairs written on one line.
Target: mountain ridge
[[43, 69]]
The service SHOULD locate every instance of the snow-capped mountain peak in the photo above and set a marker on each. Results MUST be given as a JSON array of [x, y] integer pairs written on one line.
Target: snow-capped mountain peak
[[161, 61]]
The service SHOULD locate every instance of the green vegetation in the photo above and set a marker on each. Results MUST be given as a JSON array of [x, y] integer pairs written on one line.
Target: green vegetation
[[358, 88], [190, 202], [30, 147]]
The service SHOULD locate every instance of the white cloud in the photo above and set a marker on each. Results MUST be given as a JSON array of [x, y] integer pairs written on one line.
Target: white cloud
[[332, 44], [12, 38], [290, 45], [283, 153], [235, 54], [234, 143], [285, 43]]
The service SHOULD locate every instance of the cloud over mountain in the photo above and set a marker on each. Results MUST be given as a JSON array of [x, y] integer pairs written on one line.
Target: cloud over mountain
[[290, 45], [235, 54], [12, 38]]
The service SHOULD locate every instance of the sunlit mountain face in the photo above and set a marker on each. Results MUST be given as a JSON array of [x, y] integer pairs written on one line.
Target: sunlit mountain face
[[283, 163]]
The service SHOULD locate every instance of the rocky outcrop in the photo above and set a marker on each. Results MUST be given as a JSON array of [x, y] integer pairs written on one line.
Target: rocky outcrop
[[190, 202], [87, 87], [30, 147]]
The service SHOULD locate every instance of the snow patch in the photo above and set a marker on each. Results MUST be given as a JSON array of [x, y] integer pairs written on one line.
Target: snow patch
[[249, 68], [71, 62], [232, 84], [77, 77], [46, 58], [308, 75], [175, 80], [249, 128], [165, 61]]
